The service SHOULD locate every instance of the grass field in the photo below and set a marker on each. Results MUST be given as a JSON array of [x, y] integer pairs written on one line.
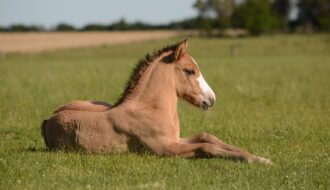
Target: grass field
[[273, 99]]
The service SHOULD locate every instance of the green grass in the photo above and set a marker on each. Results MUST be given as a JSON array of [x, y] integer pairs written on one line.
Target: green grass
[[273, 99]]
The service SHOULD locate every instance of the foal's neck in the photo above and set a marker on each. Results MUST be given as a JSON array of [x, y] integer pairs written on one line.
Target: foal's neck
[[156, 88]]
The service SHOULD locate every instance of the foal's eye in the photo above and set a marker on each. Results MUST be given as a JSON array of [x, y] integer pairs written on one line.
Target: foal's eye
[[189, 72]]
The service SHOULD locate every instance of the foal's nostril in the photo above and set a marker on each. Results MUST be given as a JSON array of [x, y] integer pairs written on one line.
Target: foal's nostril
[[211, 100], [205, 106]]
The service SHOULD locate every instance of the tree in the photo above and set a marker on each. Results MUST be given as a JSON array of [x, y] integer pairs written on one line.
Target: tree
[[281, 8], [201, 7], [24, 28], [222, 10], [3, 29], [94, 27], [255, 16], [64, 27], [315, 13], [120, 25], [203, 22]]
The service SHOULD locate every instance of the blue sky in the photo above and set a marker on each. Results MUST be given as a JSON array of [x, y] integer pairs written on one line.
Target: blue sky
[[80, 12]]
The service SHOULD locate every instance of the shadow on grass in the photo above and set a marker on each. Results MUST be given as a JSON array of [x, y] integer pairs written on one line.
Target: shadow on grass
[[37, 150], [143, 154], [82, 152]]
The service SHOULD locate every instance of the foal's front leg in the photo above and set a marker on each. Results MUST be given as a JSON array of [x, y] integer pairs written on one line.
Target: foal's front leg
[[187, 150], [207, 138]]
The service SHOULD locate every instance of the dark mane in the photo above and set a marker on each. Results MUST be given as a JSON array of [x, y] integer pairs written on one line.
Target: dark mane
[[139, 70]]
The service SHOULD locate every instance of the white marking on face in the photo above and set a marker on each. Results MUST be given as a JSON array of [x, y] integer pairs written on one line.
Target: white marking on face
[[206, 89]]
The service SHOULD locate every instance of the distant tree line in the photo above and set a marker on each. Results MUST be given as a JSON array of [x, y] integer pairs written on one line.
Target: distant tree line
[[260, 16], [21, 28], [254, 16], [120, 25]]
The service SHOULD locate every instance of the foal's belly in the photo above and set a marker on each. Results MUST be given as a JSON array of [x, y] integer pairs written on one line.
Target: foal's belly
[[86, 131]]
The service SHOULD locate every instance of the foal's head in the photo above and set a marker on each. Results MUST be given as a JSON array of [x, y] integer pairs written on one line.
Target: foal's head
[[189, 81]]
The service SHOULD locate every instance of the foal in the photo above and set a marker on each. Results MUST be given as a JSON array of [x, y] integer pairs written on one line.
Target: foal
[[145, 115]]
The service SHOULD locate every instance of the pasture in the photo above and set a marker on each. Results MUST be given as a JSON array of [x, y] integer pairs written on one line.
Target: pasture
[[273, 99]]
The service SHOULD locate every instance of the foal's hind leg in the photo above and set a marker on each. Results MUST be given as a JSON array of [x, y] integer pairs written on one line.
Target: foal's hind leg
[[207, 138]]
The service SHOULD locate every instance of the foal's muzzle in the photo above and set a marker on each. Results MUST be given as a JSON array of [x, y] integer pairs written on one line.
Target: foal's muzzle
[[207, 103]]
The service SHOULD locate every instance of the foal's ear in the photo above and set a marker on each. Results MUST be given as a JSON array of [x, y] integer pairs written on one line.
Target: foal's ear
[[181, 49]]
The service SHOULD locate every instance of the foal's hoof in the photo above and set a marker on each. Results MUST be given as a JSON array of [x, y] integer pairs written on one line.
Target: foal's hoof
[[262, 160]]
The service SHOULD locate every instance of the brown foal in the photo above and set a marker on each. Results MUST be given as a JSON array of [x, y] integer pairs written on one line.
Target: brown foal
[[145, 115]]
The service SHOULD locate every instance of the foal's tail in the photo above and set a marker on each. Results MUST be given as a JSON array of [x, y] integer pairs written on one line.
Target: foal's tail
[[43, 131]]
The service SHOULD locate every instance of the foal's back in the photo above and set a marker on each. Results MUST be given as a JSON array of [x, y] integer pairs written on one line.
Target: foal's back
[[89, 131], [88, 105]]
